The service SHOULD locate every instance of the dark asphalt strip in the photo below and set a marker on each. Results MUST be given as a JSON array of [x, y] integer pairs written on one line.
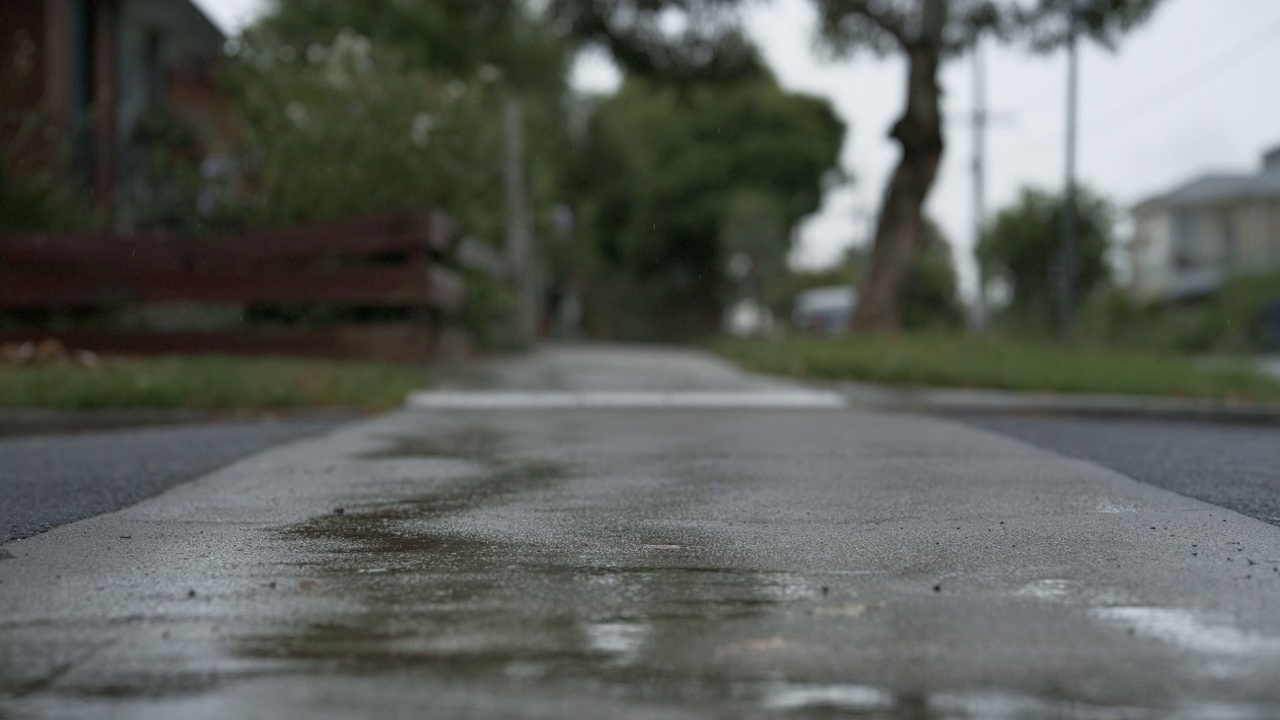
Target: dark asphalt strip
[[52, 480], [1232, 466]]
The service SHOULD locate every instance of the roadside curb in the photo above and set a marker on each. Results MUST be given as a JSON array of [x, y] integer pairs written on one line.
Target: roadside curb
[[950, 400]]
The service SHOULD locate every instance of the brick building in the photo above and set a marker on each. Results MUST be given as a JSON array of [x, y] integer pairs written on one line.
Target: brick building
[[77, 75]]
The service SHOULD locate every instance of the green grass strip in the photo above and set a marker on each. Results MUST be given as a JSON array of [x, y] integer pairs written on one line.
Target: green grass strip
[[969, 362], [210, 382]]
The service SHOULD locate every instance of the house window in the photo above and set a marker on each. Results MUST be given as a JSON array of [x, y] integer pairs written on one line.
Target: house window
[[1230, 252], [1184, 254]]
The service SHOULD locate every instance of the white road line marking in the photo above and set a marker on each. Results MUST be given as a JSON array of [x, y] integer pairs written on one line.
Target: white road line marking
[[511, 400]]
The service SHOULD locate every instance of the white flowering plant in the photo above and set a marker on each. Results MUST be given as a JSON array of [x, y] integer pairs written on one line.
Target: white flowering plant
[[349, 128]]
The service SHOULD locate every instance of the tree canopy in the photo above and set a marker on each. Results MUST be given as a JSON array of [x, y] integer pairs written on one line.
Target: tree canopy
[[671, 178], [458, 38], [925, 32], [931, 291], [1019, 246]]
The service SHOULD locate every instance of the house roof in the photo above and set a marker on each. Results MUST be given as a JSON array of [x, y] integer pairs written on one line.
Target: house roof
[[1210, 189], [199, 38]]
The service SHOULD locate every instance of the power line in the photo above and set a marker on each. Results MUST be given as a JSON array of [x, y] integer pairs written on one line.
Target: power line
[[1191, 80], [1120, 116]]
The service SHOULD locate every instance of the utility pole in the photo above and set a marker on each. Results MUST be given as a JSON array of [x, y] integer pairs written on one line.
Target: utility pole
[[520, 255], [1067, 234], [980, 120]]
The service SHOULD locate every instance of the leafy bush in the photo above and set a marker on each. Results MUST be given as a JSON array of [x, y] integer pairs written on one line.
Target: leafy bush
[[1239, 318], [37, 197], [349, 128], [1020, 246]]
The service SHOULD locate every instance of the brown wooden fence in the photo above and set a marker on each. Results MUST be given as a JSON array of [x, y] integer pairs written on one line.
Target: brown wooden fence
[[398, 265]]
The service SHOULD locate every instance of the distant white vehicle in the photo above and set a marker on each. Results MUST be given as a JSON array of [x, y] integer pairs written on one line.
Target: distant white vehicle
[[826, 309]]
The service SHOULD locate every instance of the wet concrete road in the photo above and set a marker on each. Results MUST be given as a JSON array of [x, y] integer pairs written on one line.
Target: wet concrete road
[[1235, 466], [657, 563], [48, 480]]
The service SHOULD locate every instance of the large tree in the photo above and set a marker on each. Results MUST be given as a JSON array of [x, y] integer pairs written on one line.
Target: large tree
[[926, 33]]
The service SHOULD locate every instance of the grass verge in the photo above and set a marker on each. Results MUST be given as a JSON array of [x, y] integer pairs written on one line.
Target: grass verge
[[209, 382], [966, 362]]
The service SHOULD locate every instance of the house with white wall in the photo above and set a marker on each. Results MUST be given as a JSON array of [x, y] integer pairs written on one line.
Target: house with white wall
[[1187, 241]]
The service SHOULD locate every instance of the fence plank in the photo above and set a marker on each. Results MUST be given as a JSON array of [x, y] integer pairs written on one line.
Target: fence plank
[[409, 236], [361, 238], [91, 252], [399, 285], [390, 261]]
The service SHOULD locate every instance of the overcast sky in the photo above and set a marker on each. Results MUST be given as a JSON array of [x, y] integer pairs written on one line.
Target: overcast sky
[[1195, 90]]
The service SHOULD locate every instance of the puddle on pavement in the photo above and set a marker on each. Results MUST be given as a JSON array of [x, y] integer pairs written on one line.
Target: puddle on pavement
[[676, 592], [794, 700], [480, 444], [1047, 589], [1189, 631], [994, 705], [860, 699], [1213, 638], [405, 588], [402, 526]]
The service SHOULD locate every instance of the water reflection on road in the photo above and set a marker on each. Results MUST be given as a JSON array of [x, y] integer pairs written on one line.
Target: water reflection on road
[[414, 585]]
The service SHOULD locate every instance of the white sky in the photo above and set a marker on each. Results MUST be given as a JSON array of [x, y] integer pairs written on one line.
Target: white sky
[[1196, 89]]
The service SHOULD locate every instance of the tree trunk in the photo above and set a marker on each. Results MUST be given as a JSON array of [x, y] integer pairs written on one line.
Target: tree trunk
[[901, 221]]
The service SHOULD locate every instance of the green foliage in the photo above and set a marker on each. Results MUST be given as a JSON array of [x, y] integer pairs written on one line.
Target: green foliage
[[209, 382], [454, 38], [925, 32], [931, 294], [164, 185], [41, 202], [992, 362], [489, 313], [1020, 246], [672, 180], [754, 234], [37, 198], [352, 129], [710, 47], [355, 108], [712, 44], [887, 26], [1235, 320]]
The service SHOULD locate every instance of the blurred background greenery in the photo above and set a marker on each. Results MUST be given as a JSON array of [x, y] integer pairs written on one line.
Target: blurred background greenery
[[657, 209]]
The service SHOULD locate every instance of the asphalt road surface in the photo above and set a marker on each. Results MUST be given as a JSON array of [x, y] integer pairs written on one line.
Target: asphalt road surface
[[1231, 465], [54, 479], [651, 560]]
